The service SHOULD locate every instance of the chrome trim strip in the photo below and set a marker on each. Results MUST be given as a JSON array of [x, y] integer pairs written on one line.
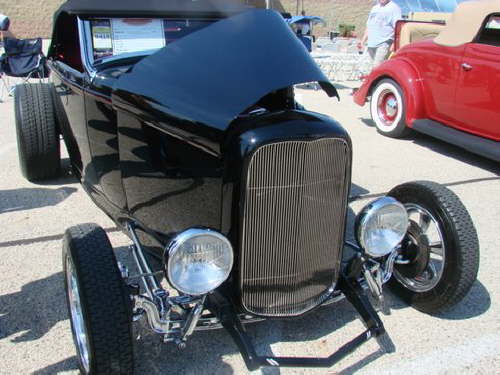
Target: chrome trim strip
[[126, 55], [85, 36]]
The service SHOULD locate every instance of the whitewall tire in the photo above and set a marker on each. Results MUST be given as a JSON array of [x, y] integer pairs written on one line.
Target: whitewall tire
[[387, 108]]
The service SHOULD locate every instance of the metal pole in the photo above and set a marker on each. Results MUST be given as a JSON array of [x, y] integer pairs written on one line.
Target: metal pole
[[268, 4], [142, 264]]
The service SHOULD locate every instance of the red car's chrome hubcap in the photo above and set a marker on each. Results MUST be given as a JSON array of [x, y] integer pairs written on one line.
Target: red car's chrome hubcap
[[387, 107]]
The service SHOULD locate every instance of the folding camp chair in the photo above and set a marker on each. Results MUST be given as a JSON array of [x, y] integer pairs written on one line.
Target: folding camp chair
[[23, 58], [4, 27], [4, 83]]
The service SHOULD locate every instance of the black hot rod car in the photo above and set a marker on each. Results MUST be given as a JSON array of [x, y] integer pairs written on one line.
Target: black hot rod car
[[180, 121]]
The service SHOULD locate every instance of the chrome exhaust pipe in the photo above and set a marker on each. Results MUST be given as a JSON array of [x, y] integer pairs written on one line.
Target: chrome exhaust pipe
[[156, 323]]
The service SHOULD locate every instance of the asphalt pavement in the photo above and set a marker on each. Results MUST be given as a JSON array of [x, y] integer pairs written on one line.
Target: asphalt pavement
[[35, 332]]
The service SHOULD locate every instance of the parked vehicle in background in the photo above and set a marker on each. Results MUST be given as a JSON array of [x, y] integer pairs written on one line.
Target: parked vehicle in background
[[181, 124], [447, 87], [423, 26], [423, 19]]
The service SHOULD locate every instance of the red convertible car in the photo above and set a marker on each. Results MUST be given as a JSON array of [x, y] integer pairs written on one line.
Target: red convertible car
[[447, 87]]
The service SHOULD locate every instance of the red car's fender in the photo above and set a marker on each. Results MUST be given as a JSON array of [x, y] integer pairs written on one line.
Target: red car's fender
[[402, 71]]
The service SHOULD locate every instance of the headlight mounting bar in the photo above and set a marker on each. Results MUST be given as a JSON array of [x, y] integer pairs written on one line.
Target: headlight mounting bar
[[354, 293]]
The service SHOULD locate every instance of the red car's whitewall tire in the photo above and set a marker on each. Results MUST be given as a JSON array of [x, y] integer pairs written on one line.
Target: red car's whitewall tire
[[387, 108]]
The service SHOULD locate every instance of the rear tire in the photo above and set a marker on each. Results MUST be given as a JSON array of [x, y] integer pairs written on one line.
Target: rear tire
[[98, 302], [442, 245], [388, 109], [37, 132]]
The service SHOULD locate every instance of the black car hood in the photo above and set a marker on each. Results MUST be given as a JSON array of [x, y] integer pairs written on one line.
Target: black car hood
[[213, 75]]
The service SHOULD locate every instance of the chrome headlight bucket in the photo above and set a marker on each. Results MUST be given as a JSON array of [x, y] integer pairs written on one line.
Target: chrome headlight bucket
[[198, 261], [381, 226]]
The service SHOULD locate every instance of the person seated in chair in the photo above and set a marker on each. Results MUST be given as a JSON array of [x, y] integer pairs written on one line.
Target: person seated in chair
[[4, 28]]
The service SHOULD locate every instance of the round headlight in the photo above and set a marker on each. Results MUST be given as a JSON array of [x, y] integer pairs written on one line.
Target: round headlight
[[199, 260], [381, 226]]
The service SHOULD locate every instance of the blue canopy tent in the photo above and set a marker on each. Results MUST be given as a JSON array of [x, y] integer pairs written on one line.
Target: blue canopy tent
[[314, 20], [305, 23]]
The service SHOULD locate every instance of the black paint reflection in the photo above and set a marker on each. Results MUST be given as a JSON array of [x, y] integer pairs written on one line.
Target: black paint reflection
[[103, 142], [170, 184]]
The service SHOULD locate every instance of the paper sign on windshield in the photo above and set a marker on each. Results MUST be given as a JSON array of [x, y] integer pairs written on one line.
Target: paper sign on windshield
[[133, 35], [101, 35]]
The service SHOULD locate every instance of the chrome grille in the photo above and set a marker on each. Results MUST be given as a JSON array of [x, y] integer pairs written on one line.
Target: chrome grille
[[293, 225]]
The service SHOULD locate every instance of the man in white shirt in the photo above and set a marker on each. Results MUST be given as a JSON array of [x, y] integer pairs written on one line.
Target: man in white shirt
[[380, 30]]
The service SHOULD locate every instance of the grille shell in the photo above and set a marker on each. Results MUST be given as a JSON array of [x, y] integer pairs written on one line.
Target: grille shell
[[293, 225]]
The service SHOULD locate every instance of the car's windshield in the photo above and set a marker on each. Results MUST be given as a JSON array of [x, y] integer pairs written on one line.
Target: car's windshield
[[408, 6], [112, 37]]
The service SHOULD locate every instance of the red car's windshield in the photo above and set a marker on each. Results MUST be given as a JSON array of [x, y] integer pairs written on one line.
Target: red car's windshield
[[408, 6]]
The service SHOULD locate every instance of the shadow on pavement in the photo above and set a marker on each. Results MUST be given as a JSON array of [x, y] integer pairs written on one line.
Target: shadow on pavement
[[368, 122], [33, 310], [456, 153], [353, 369], [206, 350], [66, 176], [476, 303], [30, 198], [40, 305], [446, 149], [67, 364], [55, 237]]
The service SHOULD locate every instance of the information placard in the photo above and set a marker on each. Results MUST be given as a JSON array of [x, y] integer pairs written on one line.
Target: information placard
[[101, 35], [133, 35]]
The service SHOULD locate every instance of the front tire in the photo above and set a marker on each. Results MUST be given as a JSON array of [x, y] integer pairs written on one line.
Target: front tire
[[37, 131], [388, 110], [98, 302], [441, 247]]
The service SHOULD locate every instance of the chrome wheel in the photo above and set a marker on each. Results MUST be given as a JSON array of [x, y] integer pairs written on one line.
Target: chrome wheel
[[429, 238], [387, 106], [439, 257], [77, 319], [98, 301]]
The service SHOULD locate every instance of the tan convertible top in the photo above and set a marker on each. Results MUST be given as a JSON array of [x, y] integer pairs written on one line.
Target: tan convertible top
[[466, 22]]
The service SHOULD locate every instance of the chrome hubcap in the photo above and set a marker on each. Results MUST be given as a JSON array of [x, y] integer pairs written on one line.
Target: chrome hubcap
[[391, 107], [77, 316], [433, 234], [387, 105]]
